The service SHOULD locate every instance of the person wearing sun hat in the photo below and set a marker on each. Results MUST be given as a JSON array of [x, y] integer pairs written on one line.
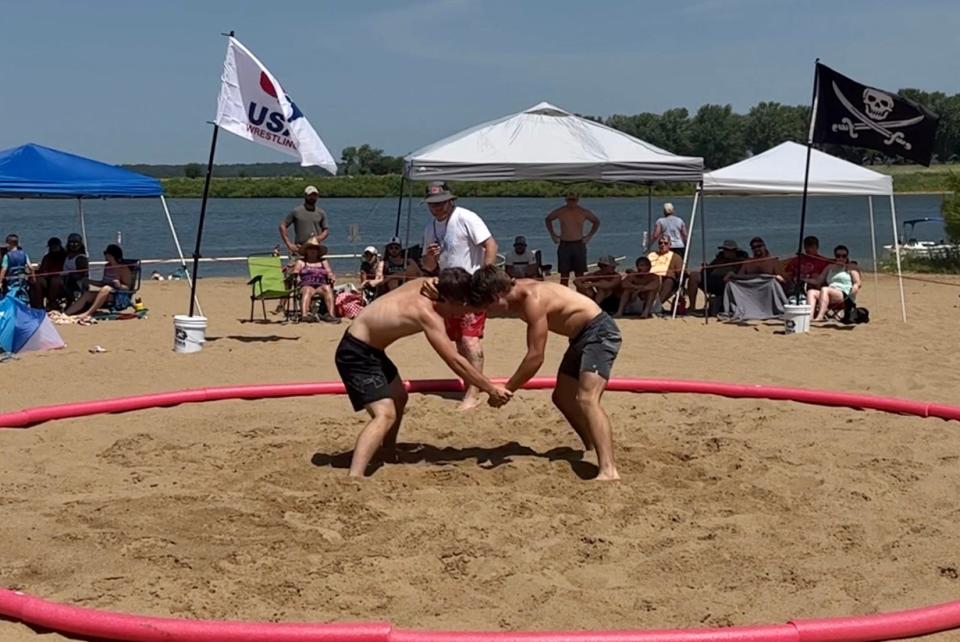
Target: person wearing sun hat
[[316, 278], [458, 237], [308, 221], [727, 261]]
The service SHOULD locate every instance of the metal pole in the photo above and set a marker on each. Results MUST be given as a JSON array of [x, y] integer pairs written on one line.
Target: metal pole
[[203, 214], [873, 245], [176, 242], [703, 252], [806, 178], [396, 230], [83, 224], [686, 256], [649, 215], [896, 245]]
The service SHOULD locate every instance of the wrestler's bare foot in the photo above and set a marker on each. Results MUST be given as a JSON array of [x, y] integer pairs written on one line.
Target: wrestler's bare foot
[[612, 475], [469, 403]]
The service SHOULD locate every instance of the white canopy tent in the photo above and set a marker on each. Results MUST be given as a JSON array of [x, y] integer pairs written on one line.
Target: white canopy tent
[[545, 142], [780, 171]]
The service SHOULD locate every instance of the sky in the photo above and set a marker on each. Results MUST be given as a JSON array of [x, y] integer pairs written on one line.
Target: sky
[[137, 81]]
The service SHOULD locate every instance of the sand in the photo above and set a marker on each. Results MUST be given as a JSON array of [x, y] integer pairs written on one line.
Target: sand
[[730, 512]]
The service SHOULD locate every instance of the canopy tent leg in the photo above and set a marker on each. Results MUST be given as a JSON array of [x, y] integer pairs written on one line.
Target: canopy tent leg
[[896, 246], [403, 180], [406, 241], [873, 244], [686, 254], [83, 224], [649, 217], [176, 242]]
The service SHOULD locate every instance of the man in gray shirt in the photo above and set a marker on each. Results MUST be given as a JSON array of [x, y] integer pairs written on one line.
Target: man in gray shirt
[[308, 220]]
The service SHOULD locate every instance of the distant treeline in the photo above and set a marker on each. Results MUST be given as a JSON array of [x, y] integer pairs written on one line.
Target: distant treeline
[[927, 180], [715, 132]]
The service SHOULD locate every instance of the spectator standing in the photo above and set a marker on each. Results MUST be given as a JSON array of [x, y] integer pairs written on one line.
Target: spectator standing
[[15, 268], [308, 220], [571, 241], [458, 237], [672, 227]]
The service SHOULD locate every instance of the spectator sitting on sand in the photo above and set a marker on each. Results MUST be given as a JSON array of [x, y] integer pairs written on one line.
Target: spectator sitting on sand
[[113, 288], [601, 284], [639, 285]]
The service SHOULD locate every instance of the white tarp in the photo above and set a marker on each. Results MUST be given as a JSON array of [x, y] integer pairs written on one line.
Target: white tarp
[[254, 106], [780, 170], [546, 142]]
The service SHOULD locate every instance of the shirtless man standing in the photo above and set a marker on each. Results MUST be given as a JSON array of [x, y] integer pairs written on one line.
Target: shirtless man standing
[[571, 242], [371, 378], [585, 369]]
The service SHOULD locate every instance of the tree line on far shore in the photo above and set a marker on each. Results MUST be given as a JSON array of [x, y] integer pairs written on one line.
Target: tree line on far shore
[[715, 132]]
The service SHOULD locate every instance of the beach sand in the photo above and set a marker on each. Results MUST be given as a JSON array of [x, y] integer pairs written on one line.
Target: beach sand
[[730, 511]]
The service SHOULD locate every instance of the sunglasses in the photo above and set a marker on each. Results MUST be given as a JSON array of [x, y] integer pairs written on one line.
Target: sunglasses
[[840, 256]]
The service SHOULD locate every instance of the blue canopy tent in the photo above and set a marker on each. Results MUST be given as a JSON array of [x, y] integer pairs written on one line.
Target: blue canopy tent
[[35, 171]]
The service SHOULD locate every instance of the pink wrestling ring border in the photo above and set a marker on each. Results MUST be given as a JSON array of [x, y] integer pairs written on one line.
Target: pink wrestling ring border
[[107, 625]]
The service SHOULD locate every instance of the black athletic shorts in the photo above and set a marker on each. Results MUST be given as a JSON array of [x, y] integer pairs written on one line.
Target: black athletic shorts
[[572, 257], [366, 371], [594, 349]]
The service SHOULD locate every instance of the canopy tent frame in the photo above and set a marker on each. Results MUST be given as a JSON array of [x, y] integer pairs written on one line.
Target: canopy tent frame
[[859, 181], [26, 177], [548, 143]]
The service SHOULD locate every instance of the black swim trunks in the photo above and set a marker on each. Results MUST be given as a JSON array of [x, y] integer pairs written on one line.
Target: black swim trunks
[[572, 257], [594, 349], [366, 371]]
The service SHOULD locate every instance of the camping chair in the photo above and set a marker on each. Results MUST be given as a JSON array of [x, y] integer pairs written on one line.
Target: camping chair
[[122, 297], [268, 283], [543, 270]]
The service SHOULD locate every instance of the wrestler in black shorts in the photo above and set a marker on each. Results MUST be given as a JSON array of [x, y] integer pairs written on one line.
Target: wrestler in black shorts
[[367, 372]]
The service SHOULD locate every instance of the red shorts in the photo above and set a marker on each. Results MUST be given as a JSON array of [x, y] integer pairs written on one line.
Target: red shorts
[[469, 325]]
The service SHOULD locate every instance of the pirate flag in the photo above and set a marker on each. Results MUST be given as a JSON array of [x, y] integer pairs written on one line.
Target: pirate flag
[[855, 115]]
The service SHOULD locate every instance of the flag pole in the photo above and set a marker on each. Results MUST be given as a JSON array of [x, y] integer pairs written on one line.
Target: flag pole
[[203, 211], [806, 180]]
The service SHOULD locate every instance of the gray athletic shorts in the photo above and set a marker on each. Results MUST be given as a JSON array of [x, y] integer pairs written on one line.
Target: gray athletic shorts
[[572, 257], [594, 349]]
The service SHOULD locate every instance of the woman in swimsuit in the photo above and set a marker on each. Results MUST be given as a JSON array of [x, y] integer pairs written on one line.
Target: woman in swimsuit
[[316, 278], [114, 288]]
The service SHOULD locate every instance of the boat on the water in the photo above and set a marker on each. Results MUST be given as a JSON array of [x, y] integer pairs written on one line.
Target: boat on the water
[[913, 247]]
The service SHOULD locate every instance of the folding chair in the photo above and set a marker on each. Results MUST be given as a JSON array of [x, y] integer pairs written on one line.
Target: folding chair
[[268, 283]]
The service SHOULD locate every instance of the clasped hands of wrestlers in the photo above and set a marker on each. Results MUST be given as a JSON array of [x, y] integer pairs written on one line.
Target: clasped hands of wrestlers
[[499, 397]]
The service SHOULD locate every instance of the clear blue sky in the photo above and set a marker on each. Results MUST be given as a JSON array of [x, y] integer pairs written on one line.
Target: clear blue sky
[[137, 81]]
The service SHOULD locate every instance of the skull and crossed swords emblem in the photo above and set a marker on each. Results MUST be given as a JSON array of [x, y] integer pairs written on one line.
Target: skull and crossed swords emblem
[[877, 106]]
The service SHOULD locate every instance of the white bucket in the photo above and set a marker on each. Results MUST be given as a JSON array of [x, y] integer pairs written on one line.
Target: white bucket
[[796, 318], [189, 333]]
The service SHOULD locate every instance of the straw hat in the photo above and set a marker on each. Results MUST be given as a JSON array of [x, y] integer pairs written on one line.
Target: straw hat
[[313, 242]]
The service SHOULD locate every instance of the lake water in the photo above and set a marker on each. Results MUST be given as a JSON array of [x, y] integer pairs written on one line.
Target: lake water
[[239, 227]]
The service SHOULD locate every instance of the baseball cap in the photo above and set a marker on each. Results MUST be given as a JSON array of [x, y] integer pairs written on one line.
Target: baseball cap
[[607, 260], [729, 244], [369, 250], [520, 240], [438, 192], [310, 189], [668, 208], [395, 241]]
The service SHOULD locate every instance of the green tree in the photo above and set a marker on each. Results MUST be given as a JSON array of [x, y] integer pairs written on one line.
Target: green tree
[[951, 210], [769, 124], [716, 134], [674, 131], [193, 170]]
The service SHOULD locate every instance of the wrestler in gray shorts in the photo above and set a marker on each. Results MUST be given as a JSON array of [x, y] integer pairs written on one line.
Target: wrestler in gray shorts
[[594, 349]]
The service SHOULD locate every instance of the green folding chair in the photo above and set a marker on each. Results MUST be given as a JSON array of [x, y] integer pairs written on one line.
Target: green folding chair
[[268, 283]]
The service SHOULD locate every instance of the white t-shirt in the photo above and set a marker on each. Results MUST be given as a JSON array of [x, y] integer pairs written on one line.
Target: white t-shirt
[[520, 260], [459, 237]]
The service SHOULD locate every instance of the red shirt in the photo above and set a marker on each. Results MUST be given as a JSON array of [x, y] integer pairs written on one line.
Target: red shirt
[[811, 265]]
